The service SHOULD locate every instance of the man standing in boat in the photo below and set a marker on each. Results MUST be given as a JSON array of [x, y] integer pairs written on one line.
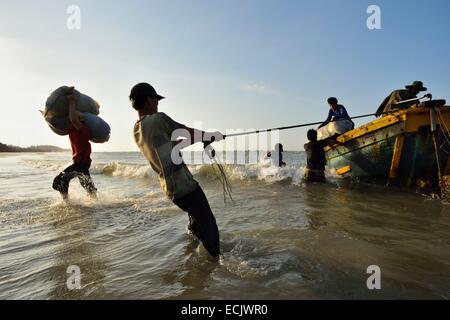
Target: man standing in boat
[[397, 96], [337, 112]]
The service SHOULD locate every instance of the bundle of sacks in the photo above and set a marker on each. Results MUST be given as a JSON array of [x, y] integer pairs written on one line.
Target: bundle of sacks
[[334, 128], [56, 114]]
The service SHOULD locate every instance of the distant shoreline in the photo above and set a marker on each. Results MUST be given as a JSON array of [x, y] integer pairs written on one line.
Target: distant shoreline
[[4, 148]]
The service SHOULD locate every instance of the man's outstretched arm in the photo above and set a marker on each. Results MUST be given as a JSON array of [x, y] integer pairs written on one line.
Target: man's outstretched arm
[[191, 135], [203, 136], [327, 121], [380, 109]]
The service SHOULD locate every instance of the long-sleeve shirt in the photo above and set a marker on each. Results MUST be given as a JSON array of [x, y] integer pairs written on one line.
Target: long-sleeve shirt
[[396, 97], [339, 113]]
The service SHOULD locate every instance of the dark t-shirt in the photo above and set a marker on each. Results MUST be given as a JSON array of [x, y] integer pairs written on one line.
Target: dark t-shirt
[[315, 155]]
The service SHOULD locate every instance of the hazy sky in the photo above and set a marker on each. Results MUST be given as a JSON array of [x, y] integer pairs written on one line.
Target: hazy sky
[[230, 64]]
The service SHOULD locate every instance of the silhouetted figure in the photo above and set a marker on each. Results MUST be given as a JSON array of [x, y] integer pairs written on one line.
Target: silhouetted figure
[[315, 158], [276, 156], [397, 96], [79, 136], [153, 135]]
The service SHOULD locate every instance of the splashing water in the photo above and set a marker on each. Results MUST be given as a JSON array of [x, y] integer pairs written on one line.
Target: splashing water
[[280, 238]]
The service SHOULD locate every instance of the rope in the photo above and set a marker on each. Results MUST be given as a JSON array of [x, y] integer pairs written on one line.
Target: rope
[[220, 173], [297, 126], [441, 118], [316, 123]]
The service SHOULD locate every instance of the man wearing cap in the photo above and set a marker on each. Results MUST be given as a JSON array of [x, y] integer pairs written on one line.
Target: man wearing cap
[[156, 136], [397, 96]]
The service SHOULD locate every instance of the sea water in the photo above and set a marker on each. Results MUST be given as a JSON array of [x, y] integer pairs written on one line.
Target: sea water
[[280, 238]]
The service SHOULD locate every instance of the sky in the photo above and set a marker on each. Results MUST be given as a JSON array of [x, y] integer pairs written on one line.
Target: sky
[[231, 65]]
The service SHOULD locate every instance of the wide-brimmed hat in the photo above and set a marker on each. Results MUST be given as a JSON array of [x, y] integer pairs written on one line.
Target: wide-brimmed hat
[[417, 85]]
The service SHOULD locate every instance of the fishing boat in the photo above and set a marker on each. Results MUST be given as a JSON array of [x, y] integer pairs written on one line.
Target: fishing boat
[[407, 147]]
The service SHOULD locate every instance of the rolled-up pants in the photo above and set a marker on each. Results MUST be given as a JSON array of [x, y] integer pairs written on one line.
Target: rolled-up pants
[[61, 181]]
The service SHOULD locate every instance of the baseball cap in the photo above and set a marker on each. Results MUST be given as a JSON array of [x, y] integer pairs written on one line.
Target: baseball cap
[[142, 90]]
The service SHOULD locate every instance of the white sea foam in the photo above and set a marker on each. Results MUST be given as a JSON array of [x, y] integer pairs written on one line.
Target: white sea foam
[[264, 172], [118, 169]]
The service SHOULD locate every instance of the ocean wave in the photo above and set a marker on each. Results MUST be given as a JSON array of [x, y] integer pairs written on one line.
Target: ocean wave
[[119, 169], [260, 172], [48, 165]]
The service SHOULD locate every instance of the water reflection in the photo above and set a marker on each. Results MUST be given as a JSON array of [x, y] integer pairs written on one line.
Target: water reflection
[[76, 229]]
